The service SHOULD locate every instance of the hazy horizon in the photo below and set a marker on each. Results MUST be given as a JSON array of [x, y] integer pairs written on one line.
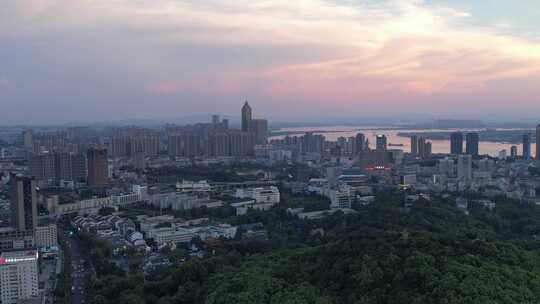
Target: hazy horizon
[[85, 61]]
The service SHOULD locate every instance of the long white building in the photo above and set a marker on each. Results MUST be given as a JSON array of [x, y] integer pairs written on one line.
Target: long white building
[[260, 195]]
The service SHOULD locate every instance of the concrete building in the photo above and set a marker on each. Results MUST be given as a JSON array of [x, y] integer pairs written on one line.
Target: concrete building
[[381, 143], [46, 235], [538, 143], [472, 143], [56, 167], [11, 239], [260, 195], [28, 140], [18, 276], [360, 143], [464, 167], [24, 203], [246, 117], [414, 145], [456, 143], [526, 146], [259, 128], [97, 166], [513, 151]]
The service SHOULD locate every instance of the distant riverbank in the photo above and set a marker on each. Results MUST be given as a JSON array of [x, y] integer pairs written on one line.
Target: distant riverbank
[[501, 136]]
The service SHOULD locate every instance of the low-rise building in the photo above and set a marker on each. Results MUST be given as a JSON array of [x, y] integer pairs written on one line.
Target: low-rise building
[[46, 236], [260, 195]]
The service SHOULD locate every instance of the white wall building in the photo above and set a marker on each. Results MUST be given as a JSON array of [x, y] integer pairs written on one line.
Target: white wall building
[[18, 276], [46, 235], [260, 195], [465, 167]]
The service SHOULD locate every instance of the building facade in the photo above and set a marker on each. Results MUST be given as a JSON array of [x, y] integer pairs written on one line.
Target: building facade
[[18, 276]]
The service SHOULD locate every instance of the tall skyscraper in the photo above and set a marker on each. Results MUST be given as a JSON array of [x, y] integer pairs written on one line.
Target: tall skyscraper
[[414, 145], [465, 167], [513, 151], [423, 147], [28, 140], [526, 146], [538, 143], [472, 143], [215, 119], [24, 214], [381, 143], [456, 143], [360, 143], [259, 128], [246, 117], [428, 149], [97, 165]]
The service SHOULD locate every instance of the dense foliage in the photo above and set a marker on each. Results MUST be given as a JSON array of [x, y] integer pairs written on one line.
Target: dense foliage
[[430, 253], [62, 292]]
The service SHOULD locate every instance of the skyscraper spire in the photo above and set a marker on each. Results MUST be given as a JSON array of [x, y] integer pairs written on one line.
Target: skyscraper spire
[[246, 117]]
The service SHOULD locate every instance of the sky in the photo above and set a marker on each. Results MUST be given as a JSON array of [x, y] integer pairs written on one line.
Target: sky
[[86, 61]]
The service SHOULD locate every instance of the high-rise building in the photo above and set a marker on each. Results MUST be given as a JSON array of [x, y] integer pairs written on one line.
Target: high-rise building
[[526, 146], [424, 147], [58, 166], [360, 143], [538, 143], [24, 214], [464, 167], [472, 141], [414, 145], [28, 140], [18, 276], [246, 117], [428, 148], [513, 151], [446, 167], [42, 166], [225, 123], [215, 119], [97, 164], [143, 142], [259, 128], [456, 143], [312, 143], [381, 143]]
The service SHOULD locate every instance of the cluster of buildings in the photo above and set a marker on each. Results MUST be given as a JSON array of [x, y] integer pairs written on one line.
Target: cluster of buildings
[[111, 165], [22, 241], [167, 231], [118, 231], [217, 139]]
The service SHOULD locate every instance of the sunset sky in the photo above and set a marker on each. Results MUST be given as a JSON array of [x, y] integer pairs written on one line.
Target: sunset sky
[[77, 60]]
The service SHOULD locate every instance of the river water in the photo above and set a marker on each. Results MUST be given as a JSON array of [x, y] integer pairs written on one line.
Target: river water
[[332, 133]]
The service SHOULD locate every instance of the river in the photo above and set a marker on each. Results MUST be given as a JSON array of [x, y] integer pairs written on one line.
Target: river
[[332, 133]]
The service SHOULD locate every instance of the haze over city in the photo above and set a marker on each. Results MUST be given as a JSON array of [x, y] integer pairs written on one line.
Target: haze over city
[[87, 61], [269, 151]]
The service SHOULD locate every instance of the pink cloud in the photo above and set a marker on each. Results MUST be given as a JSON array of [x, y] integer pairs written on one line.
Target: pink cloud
[[163, 88]]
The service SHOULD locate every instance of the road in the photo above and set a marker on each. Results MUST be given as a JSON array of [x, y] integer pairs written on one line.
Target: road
[[79, 270]]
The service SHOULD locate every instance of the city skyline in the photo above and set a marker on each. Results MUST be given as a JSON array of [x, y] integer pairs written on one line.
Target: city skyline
[[67, 61]]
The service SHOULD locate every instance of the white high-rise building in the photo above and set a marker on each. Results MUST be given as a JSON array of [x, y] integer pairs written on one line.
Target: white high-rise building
[[446, 167], [465, 167], [18, 276]]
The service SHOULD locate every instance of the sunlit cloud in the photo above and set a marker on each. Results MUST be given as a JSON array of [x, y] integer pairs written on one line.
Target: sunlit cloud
[[403, 54]]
